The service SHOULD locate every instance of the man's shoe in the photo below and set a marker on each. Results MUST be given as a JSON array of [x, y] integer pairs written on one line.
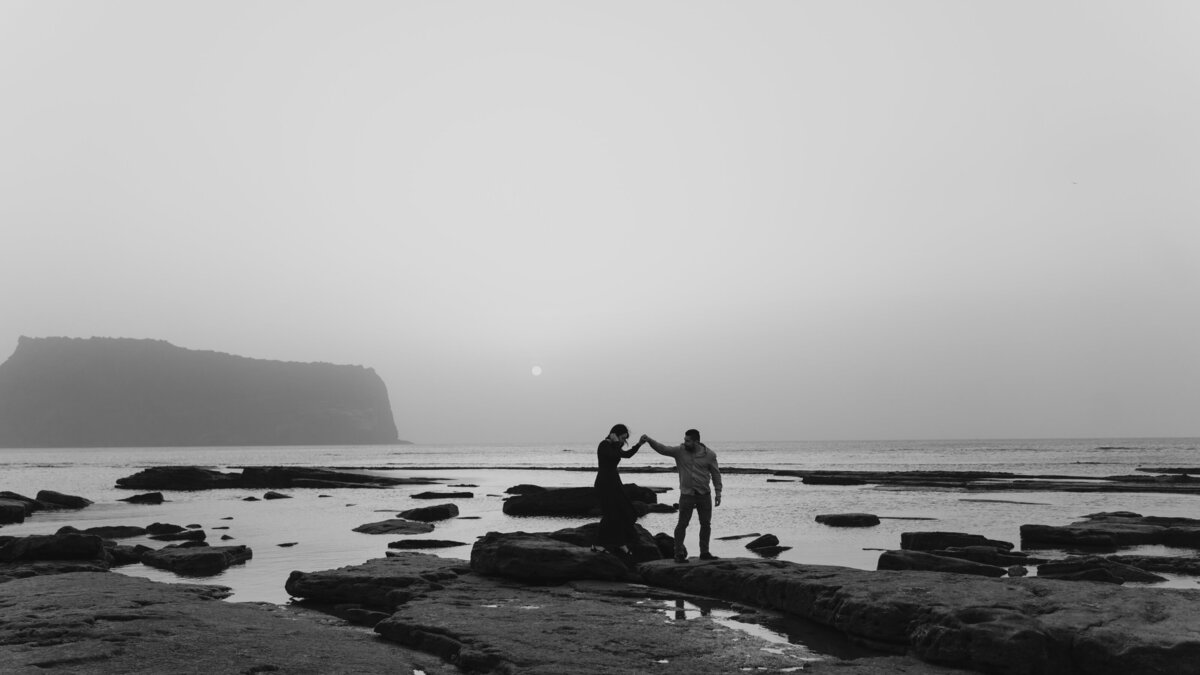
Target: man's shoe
[[681, 558], [708, 556]]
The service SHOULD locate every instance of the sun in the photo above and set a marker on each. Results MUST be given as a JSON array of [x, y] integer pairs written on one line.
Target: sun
[[537, 370]]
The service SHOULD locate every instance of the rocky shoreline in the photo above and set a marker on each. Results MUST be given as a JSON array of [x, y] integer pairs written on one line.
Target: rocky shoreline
[[941, 602]]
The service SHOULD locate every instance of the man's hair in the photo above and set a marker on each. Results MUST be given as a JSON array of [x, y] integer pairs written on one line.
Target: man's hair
[[692, 434], [619, 429]]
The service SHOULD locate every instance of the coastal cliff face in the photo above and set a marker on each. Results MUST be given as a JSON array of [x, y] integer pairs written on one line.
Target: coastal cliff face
[[117, 392]]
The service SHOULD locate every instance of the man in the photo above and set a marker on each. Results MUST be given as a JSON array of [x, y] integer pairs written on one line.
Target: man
[[696, 462]]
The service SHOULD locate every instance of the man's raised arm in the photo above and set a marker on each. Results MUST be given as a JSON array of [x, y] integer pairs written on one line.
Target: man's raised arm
[[668, 450]]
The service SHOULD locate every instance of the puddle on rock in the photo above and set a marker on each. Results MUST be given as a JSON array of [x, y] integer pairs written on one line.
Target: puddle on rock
[[804, 639]]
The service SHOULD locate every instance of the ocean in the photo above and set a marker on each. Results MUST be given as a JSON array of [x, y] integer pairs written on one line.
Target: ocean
[[316, 525]]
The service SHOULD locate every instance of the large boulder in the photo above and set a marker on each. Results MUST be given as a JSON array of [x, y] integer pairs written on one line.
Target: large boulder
[[540, 558], [429, 514], [919, 560], [580, 501], [197, 560]]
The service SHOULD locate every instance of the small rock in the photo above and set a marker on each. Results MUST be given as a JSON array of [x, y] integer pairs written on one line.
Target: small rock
[[763, 542]]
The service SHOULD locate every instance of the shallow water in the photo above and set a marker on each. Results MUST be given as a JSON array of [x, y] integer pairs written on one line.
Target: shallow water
[[320, 522]]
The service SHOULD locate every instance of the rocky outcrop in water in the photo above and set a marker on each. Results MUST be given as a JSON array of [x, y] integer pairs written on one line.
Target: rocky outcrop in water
[[1111, 530], [64, 392], [256, 478]]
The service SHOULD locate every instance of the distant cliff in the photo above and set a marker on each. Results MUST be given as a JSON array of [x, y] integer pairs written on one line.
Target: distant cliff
[[66, 392]]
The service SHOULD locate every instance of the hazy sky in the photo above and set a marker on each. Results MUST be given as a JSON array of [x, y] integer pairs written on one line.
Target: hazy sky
[[768, 220]]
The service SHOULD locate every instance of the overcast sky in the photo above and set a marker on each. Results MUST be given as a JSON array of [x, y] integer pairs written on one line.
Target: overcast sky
[[768, 220]]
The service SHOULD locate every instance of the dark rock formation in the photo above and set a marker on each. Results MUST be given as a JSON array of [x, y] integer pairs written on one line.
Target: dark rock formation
[[764, 541], [580, 501], [68, 546], [147, 498], [848, 519], [995, 481], [429, 514], [107, 531], [539, 558], [920, 560], [395, 526], [443, 495], [932, 541], [255, 477], [524, 489], [62, 392], [1026, 626], [196, 560], [417, 544], [1111, 530], [11, 511], [187, 535], [61, 500]]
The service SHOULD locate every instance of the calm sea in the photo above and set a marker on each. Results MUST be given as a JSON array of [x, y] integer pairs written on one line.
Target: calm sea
[[318, 524]]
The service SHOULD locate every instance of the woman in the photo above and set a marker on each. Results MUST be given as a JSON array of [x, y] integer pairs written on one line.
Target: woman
[[617, 516]]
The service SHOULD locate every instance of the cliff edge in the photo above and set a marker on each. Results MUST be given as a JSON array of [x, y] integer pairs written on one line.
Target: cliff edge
[[119, 392]]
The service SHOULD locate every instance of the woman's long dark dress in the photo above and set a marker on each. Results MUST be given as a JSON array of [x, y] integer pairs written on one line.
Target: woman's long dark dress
[[617, 515]]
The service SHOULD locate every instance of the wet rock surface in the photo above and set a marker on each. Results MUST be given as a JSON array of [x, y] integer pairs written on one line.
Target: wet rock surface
[[920, 560], [1023, 626], [485, 624], [88, 622]]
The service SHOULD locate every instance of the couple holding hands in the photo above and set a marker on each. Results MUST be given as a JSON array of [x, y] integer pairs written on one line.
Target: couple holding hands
[[696, 464]]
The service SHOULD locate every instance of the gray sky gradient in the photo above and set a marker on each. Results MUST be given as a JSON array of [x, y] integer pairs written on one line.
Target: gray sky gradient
[[768, 220]]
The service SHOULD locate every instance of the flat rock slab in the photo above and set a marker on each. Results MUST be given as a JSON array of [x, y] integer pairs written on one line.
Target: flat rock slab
[[490, 625], [88, 622], [395, 526], [1010, 626], [197, 560]]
